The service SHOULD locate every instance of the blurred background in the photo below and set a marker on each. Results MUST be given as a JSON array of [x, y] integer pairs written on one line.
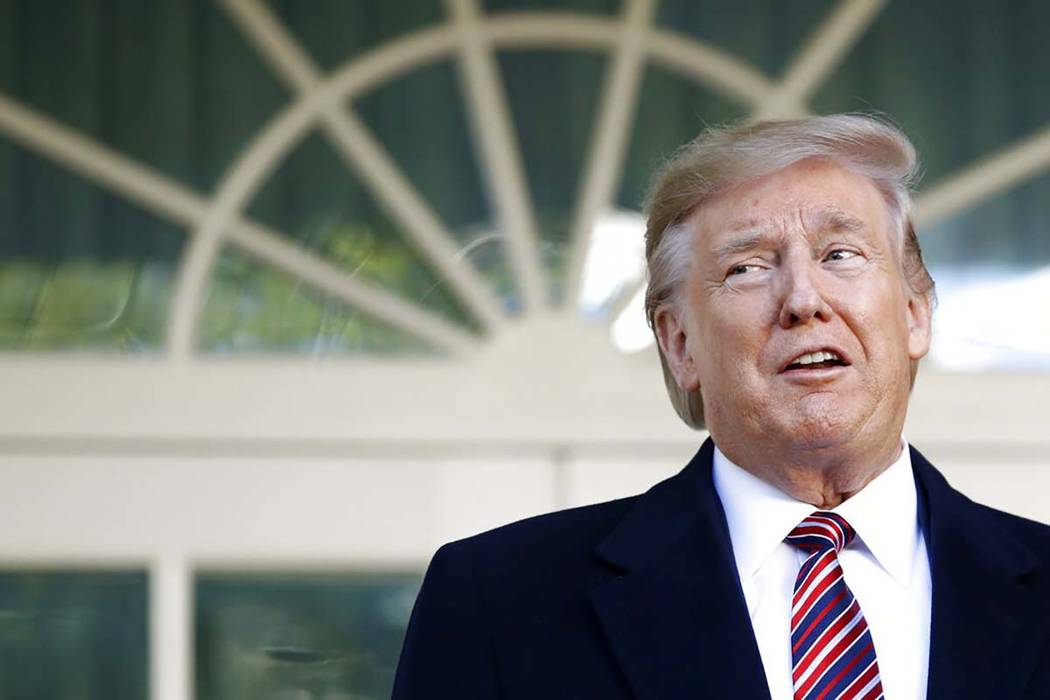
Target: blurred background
[[294, 291]]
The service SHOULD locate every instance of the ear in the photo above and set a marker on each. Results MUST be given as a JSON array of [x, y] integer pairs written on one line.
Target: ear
[[920, 313], [671, 333]]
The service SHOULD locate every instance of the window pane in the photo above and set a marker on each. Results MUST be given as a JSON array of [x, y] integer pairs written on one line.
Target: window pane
[[251, 307], [680, 108], [334, 31], [172, 83], [315, 199], [553, 97], [763, 33], [312, 636], [606, 7], [992, 268], [67, 634], [962, 78], [958, 77], [422, 121], [80, 268]]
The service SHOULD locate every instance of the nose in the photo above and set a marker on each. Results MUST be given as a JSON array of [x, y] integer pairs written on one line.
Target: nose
[[802, 300]]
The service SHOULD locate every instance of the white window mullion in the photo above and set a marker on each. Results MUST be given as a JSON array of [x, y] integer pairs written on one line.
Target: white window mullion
[[171, 628]]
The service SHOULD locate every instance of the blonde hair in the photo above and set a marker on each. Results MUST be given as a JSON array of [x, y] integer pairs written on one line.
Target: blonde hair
[[723, 157]]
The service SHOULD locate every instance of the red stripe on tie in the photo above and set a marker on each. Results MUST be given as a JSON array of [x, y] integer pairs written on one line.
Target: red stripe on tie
[[840, 648], [818, 590], [817, 531], [846, 669], [816, 528], [827, 608], [874, 693], [822, 562], [848, 615], [861, 682], [833, 656], [836, 528]]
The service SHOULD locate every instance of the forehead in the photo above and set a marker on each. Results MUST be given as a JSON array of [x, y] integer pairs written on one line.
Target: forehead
[[809, 196]]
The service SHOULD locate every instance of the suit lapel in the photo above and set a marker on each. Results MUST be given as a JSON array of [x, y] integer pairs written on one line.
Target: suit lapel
[[984, 639], [676, 617]]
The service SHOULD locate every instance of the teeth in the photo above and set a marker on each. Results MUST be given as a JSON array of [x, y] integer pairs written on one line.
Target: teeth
[[812, 357]]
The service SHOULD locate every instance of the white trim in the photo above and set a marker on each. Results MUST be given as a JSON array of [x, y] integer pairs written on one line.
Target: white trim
[[273, 43], [263, 154], [232, 194], [497, 145], [362, 152], [187, 298], [190, 511], [708, 66], [206, 514], [697, 60], [389, 61], [820, 55], [309, 449], [171, 629], [370, 298], [530, 30], [998, 172], [609, 145], [510, 393], [100, 165], [364, 155]]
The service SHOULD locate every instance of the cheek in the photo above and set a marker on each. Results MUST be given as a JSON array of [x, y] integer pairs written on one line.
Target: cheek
[[882, 330], [731, 353]]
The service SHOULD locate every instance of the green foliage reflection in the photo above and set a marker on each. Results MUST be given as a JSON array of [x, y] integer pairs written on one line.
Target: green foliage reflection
[[320, 637], [83, 304], [252, 307]]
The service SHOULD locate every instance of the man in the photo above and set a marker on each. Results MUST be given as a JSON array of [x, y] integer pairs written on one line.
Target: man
[[806, 551]]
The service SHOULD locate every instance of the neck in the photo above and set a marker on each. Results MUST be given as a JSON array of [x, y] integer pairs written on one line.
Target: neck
[[822, 476]]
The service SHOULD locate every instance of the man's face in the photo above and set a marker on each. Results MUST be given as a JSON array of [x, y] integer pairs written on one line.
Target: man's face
[[785, 269]]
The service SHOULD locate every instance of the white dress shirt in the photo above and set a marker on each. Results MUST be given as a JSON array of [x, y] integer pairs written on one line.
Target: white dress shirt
[[886, 567]]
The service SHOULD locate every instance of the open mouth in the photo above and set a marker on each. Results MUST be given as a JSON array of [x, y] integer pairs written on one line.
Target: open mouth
[[821, 359]]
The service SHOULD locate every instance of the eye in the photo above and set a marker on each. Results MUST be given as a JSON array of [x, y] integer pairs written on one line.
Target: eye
[[742, 269], [840, 254]]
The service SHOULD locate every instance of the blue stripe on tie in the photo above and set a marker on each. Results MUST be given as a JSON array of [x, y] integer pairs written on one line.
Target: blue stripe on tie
[[862, 653], [833, 614]]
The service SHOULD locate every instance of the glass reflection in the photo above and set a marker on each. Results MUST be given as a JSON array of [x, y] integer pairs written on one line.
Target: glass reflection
[[314, 637], [66, 634]]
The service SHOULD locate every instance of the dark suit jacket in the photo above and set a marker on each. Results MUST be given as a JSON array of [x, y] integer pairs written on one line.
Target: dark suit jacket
[[639, 598]]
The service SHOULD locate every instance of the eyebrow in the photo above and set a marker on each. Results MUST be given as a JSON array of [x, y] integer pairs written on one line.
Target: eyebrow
[[836, 220], [741, 244], [752, 231]]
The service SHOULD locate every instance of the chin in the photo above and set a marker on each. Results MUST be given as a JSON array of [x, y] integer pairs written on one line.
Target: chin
[[819, 430]]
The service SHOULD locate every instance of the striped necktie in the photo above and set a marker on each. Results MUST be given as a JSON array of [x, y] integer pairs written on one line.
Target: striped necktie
[[832, 653]]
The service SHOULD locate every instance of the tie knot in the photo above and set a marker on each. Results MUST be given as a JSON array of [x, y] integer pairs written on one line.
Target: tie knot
[[822, 530]]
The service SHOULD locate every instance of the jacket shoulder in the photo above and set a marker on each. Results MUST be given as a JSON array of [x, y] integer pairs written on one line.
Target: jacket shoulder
[[1024, 538], [1032, 537], [1035, 535], [494, 606], [564, 533]]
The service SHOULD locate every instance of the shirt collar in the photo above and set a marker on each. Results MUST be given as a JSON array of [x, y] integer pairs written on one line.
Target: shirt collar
[[883, 513]]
